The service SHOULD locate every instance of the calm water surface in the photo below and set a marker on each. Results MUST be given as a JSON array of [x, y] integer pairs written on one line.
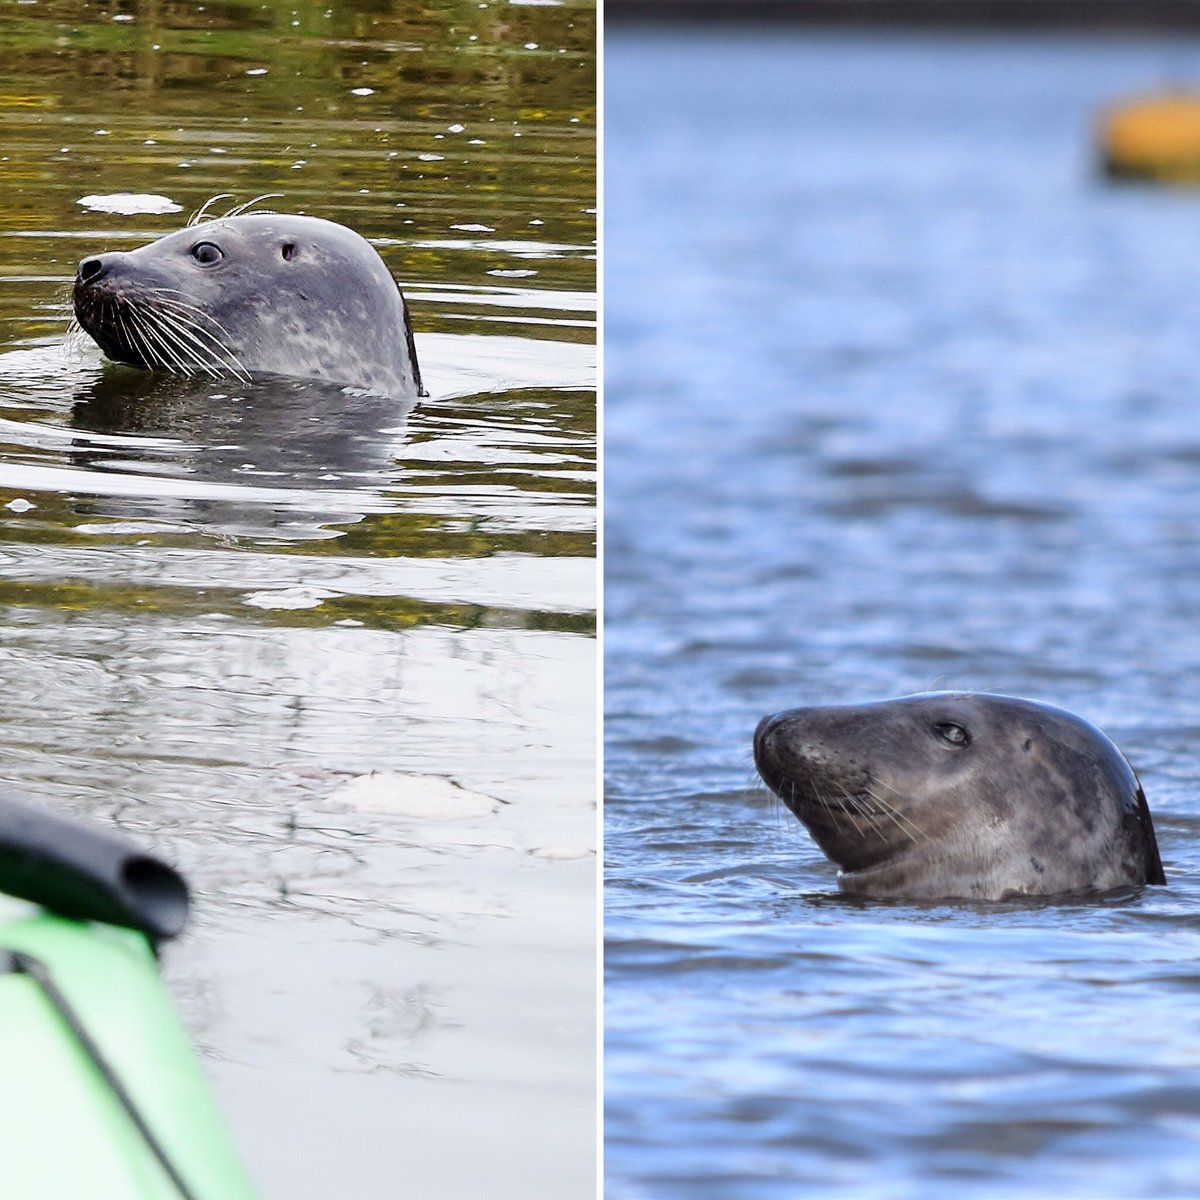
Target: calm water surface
[[899, 395], [223, 604]]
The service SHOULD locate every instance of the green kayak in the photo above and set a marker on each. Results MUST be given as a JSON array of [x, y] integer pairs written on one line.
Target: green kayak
[[100, 1091]]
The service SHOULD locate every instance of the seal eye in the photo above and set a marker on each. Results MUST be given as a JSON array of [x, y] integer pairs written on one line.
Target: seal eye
[[288, 250], [952, 735], [207, 253]]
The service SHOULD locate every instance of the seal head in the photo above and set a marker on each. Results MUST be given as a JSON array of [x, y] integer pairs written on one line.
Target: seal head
[[255, 294], [955, 795]]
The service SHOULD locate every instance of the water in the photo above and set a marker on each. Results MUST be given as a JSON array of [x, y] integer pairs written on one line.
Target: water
[[899, 394], [222, 605]]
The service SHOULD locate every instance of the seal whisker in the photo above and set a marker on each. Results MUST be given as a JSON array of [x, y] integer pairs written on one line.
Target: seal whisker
[[199, 216], [238, 209], [74, 339], [151, 338], [168, 354], [898, 819], [823, 801], [154, 346], [887, 805], [906, 826], [868, 812], [219, 355], [833, 809], [849, 809], [132, 335], [169, 335], [166, 297], [177, 325], [199, 352], [781, 813], [194, 317], [175, 349], [817, 798]]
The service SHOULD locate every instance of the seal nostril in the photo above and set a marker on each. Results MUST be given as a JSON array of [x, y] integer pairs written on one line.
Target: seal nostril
[[89, 270]]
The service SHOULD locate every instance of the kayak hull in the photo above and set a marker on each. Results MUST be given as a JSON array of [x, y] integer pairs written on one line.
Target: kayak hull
[[63, 1128]]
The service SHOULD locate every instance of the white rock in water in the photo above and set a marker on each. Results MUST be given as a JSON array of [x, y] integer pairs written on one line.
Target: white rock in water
[[420, 797], [128, 203]]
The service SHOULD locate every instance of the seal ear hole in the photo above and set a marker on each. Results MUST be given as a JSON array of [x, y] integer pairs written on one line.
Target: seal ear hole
[[952, 734], [288, 250], [1027, 745]]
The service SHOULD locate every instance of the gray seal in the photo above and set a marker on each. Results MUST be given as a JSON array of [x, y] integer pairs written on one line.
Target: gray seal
[[949, 795], [250, 295]]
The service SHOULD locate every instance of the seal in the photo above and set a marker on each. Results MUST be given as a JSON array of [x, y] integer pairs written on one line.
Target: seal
[[254, 294], [950, 795]]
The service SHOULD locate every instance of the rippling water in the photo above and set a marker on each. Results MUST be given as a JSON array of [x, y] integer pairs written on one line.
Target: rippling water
[[222, 604], [899, 394]]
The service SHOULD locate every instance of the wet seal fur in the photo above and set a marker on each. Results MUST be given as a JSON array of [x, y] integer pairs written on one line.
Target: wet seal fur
[[254, 294], [949, 795]]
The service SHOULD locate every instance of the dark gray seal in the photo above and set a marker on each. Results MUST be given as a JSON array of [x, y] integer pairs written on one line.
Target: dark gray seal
[[952, 795], [254, 294]]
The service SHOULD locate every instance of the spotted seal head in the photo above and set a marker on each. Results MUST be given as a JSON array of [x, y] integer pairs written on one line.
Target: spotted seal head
[[254, 294], [954, 795]]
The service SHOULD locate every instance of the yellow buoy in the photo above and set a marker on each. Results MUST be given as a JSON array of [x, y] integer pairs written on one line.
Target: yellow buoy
[[1154, 138]]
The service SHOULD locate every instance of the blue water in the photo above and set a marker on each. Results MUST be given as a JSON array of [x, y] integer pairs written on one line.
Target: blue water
[[900, 394]]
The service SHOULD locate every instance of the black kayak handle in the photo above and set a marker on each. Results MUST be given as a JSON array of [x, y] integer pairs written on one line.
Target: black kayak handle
[[79, 869]]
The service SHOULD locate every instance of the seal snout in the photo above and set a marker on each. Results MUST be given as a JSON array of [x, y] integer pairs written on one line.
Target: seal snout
[[103, 272], [760, 733], [798, 747], [782, 752], [764, 745]]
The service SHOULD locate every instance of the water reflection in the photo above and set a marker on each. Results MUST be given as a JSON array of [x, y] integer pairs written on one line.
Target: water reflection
[[307, 434]]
